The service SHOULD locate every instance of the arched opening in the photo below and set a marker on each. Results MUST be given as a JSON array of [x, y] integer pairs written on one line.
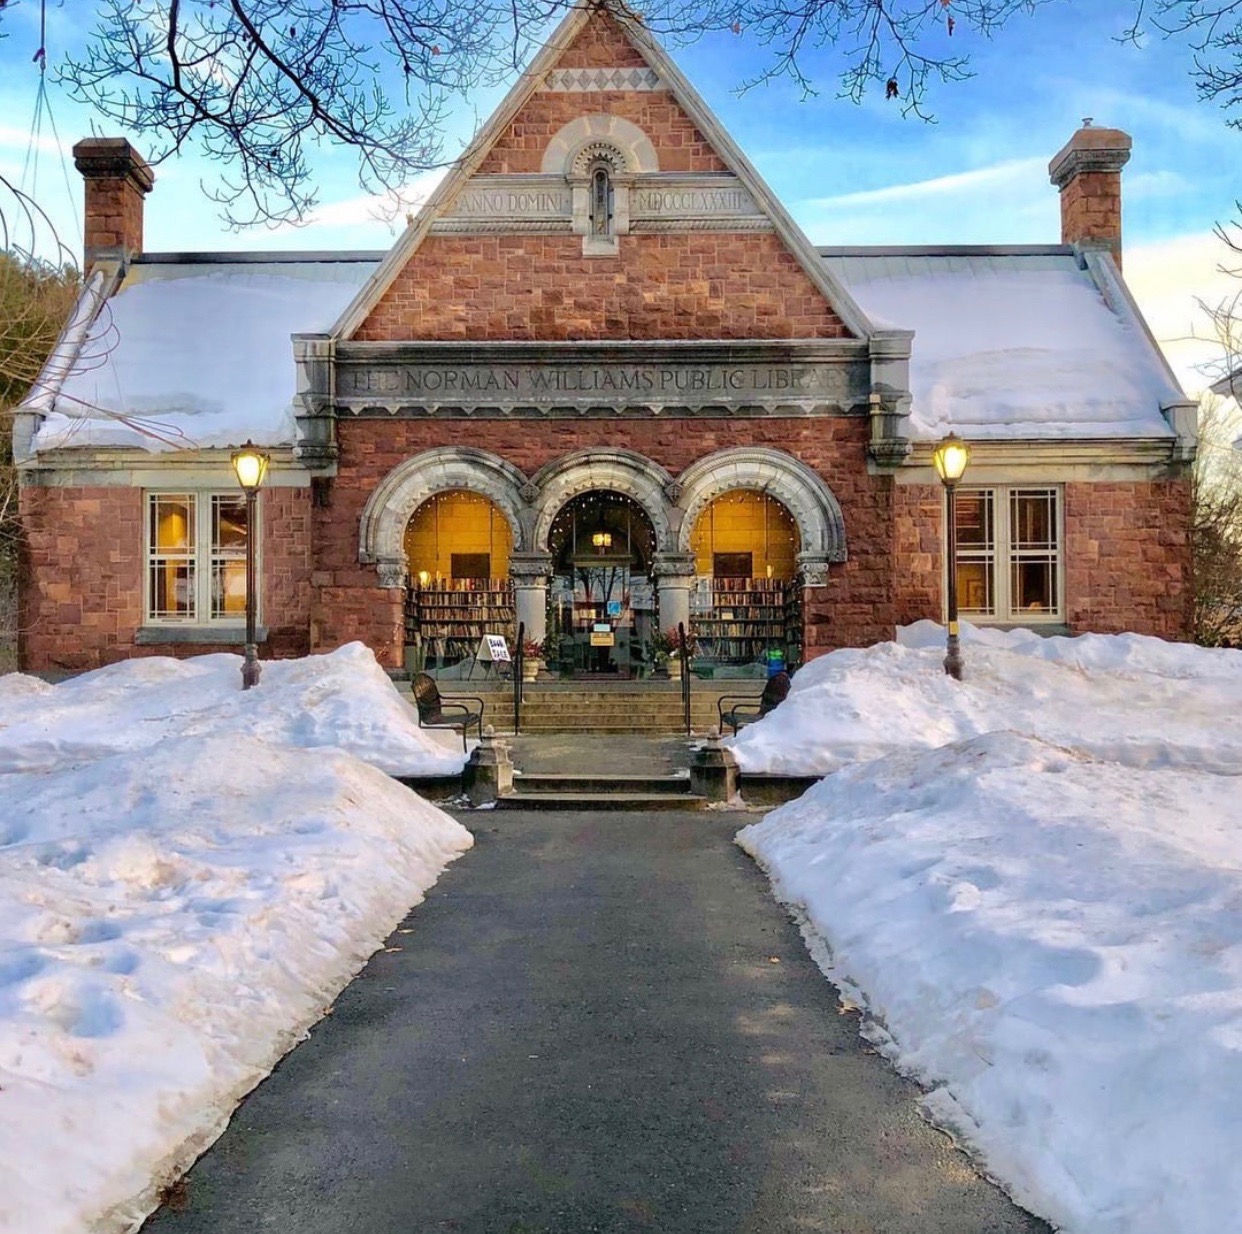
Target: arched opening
[[601, 200], [601, 604], [457, 548], [745, 606]]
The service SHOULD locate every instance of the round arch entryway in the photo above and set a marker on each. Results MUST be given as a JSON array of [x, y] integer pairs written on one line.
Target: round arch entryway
[[601, 618]]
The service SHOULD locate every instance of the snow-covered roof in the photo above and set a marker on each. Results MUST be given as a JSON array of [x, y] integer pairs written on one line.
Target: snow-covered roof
[[1013, 343], [194, 350]]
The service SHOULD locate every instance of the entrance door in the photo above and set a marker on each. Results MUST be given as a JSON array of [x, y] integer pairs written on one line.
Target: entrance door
[[602, 602]]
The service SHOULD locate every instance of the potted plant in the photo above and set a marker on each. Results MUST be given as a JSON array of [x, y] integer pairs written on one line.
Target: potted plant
[[532, 658], [672, 653], [659, 648]]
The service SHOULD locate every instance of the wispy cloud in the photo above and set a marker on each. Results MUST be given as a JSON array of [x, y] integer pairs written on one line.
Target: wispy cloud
[[1010, 171]]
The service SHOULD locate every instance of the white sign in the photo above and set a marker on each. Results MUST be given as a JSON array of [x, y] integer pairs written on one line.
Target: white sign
[[493, 650]]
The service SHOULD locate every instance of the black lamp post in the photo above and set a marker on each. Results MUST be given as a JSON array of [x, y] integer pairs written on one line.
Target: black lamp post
[[250, 467], [950, 458]]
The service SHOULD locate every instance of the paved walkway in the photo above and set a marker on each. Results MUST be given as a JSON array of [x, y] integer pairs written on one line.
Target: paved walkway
[[596, 1024]]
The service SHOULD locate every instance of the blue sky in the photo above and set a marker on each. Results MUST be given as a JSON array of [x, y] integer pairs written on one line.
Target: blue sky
[[849, 174]]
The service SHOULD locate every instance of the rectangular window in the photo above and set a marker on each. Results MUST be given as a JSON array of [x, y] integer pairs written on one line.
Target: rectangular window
[[1009, 554], [196, 558]]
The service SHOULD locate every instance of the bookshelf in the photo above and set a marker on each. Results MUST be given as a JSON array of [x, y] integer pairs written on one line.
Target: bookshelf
[[448, 620], [736, 620]]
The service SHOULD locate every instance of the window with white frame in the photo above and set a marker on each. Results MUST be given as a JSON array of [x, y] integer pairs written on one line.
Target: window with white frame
[[1009, 554], [196, 558]]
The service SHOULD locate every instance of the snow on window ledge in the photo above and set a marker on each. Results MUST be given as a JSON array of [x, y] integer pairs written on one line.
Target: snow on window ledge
[[232, 635]]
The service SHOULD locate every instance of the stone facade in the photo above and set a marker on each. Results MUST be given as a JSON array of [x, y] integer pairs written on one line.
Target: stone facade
[[1127, 557], [82, 566], [712, 285], [494, 362]]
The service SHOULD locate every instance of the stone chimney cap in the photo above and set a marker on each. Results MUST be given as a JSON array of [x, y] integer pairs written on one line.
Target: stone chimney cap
[[100, 158], [1090, 149]]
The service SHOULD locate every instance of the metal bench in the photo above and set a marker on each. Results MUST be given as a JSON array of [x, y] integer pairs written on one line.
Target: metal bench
[[738, 709], [432, 708]]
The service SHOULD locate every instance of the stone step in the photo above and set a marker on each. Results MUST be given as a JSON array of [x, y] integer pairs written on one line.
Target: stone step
[[589, 785], [600, 801]]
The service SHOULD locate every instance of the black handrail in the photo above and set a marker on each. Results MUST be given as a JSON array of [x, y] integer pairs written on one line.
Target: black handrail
[[685, 675], [518, 655]]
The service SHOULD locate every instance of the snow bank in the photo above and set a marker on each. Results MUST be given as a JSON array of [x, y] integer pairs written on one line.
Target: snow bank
[[1054, 945], [1136, 700], [188, 876], [342, 700], [1034, 887]]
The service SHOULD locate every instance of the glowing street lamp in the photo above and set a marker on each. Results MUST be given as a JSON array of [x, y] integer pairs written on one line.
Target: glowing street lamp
[[602, 539], [950, 458], [250, 468]]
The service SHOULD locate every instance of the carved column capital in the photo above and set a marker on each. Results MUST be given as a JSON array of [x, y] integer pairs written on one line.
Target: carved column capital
[[530, 569], [669, 566], [392, 572], [813, 569]]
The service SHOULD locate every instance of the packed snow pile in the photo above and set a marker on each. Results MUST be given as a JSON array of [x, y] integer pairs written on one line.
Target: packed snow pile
[[1138, 700], [341, 700], [178, 904], [1031, 881]]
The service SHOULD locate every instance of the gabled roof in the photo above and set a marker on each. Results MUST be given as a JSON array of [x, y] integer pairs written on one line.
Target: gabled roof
[[1015, 342], [1229, 386], [690, 102]]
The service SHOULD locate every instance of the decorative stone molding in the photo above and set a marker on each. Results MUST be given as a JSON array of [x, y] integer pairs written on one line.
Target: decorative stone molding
[[813, 570], [887, 447], [529, 492], [796, 486], [625, 136], [673, 565], [314, 364], [392, 573], [409, 484], [529, 569], [582, 81], [673, 490], [614, 471]]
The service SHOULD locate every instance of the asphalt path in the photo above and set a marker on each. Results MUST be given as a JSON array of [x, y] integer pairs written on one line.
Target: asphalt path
[[594, 1023]]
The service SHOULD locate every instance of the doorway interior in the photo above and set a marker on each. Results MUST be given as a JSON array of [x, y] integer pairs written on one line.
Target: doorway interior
[[602, 612]]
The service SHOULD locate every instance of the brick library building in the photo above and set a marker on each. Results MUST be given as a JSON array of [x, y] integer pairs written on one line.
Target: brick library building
[[602, 385]]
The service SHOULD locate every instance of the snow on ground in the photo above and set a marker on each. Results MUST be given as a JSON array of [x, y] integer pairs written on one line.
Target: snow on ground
[[1121, 696], [1034, 889], [183, 890], [342, 700]]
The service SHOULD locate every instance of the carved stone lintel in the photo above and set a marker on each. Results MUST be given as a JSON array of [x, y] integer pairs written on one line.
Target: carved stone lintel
[[391, 573], [813, 570]]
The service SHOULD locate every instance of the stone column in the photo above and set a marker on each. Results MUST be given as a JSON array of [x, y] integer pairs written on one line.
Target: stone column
[[813, 569], [674, 575], [529, 572]]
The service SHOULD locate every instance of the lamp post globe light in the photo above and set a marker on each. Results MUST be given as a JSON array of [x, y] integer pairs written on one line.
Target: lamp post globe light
[[950, 458], [250, 468]]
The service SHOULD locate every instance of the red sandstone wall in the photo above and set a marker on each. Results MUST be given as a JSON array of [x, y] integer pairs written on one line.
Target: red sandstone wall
[[708, 285], [83, 558], [917, 550], [855, 609], [1127, 558]]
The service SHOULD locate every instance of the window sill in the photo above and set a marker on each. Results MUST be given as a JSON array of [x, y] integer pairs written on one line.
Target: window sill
[[1047, 629], [232, 636]]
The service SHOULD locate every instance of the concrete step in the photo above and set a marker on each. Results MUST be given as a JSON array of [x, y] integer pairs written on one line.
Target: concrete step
[[601, 801]]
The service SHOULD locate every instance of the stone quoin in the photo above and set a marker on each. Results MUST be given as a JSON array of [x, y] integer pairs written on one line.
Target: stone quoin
[[601, 385]]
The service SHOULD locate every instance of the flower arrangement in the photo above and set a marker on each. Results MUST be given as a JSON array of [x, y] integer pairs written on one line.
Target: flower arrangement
[[532, 649]]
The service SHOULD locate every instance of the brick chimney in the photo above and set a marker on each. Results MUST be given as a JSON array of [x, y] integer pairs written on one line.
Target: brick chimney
[[1087, 170], [117, 179]]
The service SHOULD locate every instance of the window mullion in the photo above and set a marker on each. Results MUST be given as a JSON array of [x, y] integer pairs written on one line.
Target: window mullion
[[1004, 553]]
